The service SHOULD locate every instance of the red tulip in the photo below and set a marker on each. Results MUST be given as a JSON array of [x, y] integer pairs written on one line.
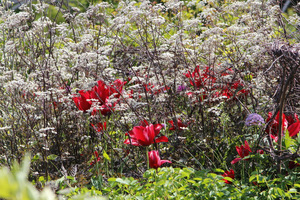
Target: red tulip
[[155, 161], [179, 125], [145, 135], [228, 174], [96, 159], [106, 109], [81, 102], [294, 129], [293, 165], [101, 92], [292, 119], [201, 78], [99, 127], [260, 151], [116, 88], [243, 151], [273, 126]]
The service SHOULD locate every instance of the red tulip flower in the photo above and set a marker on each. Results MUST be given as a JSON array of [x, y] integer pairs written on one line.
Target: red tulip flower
[[99, 127], [96, 158], [145, 135], [292, 119], [293, 164], [116, 88], [294, 129], [155, 161], [260, 151], [243, 151], [228, 174], [273, 126], [100, 92], [179, 125], [200, 78], [81, 102]]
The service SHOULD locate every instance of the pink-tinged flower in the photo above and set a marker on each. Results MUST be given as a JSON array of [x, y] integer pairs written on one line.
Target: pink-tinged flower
[[294, 129], [155, 161], [81, 102], [96, 158], [179, 125], [228, 174], [243, 151], [273, 126], [145, 135], [99, 127]]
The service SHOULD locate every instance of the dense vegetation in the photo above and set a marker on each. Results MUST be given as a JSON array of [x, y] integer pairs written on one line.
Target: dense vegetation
[[150, 100]]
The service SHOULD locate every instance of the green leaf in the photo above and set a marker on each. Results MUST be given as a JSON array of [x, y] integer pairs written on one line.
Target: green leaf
[[228, 179], [184, 174], [111, 179], [52, 157], [105, 155], [36, 157], [125, 182], [252, 178], [219, 170], [297, 185], [41, 179], [70, 178]]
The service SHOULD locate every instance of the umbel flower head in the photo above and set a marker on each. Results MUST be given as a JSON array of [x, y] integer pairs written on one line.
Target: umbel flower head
[[145, 135], [254, 119], [155, 161]]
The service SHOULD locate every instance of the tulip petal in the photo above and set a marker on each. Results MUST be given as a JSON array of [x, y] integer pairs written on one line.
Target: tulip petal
[[294, 129], [164, 161], [133, 142], [162, 139], [235, 161], [247, 146]]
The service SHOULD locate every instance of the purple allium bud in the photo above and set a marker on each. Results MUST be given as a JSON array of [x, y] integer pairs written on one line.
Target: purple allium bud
[[254, 119], [181, 88]]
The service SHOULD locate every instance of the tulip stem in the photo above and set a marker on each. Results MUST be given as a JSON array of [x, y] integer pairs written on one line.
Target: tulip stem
[[147, 156]]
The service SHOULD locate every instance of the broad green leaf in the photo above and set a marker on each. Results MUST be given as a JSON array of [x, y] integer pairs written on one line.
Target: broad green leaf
[[288, 140], [252, 178], [297, 185], [125, 182], [111, 179]]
